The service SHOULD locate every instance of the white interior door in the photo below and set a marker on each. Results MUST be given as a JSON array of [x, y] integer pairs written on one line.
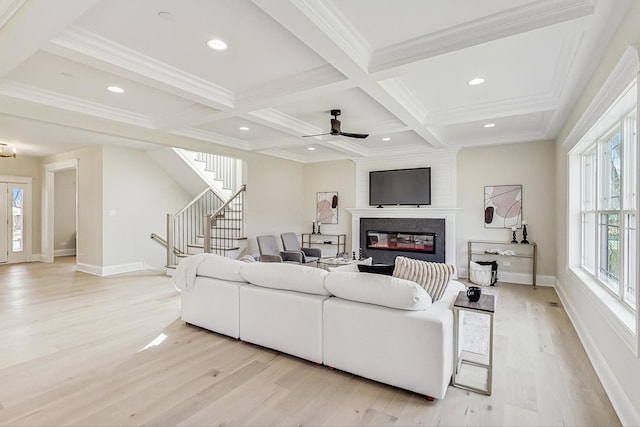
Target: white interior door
[[4, 223]]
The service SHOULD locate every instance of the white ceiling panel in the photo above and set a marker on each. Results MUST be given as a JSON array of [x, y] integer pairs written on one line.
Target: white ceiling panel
[[259, 50], [49, 72], [388, 22], [521, 128]]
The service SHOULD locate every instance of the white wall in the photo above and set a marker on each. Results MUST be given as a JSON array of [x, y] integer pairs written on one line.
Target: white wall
[[616, 364], [274, 197], [533, 166], [64, 240], [137, 195], [329, 176]]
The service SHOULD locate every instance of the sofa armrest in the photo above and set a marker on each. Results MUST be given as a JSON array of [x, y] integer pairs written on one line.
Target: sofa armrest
[[314, 252], [292, 256]]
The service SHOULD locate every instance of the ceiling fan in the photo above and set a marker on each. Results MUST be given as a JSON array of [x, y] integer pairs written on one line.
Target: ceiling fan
[[335, 128]]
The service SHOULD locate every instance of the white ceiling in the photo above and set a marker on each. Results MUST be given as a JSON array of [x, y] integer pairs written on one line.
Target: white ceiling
[[398, 69]]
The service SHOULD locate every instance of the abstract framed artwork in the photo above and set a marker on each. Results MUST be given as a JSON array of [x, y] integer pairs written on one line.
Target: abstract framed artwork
[[502, 206], [327, 207]]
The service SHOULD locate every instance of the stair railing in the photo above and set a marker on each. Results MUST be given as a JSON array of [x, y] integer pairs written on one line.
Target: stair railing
[[226, 224], [185, 226], [225, 168]]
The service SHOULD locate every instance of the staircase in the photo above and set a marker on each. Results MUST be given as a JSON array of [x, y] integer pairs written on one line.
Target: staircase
[[213, 222]]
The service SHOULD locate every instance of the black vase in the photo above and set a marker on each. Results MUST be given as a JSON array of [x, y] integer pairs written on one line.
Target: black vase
[[473, 293]]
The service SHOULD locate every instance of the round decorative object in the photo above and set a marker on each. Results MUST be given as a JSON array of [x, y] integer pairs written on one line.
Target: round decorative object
[[473, 293]]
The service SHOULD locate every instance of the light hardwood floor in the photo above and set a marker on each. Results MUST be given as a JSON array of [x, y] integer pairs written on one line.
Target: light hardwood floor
[[73, 353]]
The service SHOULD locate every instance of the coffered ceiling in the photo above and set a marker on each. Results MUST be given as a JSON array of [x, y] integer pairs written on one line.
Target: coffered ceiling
[[398, 70]]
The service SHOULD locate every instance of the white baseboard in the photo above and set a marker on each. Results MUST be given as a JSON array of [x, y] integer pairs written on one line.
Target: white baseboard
[[36, 258], [88, 268], [64, 252], [623, 406], [519, 278], [110, 270]]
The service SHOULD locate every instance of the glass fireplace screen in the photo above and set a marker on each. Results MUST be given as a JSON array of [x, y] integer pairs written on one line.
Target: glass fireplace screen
[[401, 241]]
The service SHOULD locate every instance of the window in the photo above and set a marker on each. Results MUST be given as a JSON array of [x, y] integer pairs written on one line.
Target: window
[[609, 210]]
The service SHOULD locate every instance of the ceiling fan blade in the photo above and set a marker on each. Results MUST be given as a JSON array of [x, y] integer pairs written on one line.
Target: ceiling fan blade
[[355, 135], [319, 134]]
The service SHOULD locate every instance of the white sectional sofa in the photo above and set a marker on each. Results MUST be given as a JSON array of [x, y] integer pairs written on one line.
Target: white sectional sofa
[[378, 327]]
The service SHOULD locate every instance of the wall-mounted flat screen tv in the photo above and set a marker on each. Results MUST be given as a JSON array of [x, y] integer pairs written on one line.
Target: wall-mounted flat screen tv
[[400, 187]]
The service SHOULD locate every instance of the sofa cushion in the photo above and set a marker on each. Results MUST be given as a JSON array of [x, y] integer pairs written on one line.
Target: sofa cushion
[[432, 276], [352, 267], [377, 289], [386, 269], [222, 268], [290, 277]]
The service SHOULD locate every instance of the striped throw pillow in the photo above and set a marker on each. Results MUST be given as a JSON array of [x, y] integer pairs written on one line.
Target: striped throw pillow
[[432, 276]]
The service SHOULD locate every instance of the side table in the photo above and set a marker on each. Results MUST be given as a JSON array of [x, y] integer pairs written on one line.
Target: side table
[[486, 305]]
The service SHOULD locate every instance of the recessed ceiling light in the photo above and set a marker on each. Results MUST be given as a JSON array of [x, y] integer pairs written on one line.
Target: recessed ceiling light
[[386, 138], [115, 89], [243, 128], [490, 125], [311, 148], [216, 44], [167, 16], [476, 81]]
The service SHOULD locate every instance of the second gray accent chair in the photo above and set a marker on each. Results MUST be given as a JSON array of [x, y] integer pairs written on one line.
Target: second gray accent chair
[[291, 243], [270, 252]]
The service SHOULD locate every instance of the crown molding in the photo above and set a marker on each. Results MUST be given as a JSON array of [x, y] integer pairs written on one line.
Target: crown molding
[[301, 82], [283, 155], [275, 118], [8, 8], [515, 137], [517, 20], [190, 115], [347, 147], [70, 103], [215, 138], [493, 109], [397, 89], [566, 57], [402, 151], [625, 72], [85, 42], [332, 22]]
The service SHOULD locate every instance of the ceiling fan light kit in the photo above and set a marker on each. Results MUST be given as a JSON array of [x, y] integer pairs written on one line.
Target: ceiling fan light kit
[[335, 128]]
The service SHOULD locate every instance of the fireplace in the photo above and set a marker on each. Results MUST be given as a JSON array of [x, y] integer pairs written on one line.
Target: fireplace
[[386, 238], [404, 241]]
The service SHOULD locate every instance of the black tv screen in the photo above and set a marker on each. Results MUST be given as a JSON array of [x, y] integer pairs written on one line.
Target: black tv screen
[[400, 187]]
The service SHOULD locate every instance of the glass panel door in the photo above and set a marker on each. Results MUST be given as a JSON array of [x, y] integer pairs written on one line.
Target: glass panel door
[[17, 219]]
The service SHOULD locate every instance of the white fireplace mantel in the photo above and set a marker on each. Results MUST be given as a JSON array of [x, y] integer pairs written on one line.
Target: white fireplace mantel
[[448, 214]]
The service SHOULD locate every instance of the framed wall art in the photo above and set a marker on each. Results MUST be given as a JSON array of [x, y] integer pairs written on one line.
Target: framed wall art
[[327, 207], [503, 206]]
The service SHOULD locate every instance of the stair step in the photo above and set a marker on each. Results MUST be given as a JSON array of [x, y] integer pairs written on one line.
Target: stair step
[[225, 228]]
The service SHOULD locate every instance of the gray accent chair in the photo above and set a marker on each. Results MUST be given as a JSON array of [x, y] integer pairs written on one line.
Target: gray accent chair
[[270, 252], [291, 243]]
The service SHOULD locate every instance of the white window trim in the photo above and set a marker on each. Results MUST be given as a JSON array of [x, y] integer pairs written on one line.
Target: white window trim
[[623, 320]]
